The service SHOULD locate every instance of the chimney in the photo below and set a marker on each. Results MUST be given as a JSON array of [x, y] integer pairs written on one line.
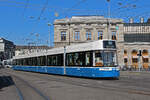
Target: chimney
[[131, 20], [148, 21], [141, 20]]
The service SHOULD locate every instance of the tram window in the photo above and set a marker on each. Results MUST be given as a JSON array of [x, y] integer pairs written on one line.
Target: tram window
[[78, 59], [34, 61], [30, 62], [42, 60], [60, 60], [49, 59], [109, 58], [70, 60], [75, 59], [88, 59], [27, 61], [19, 61], [14, 62], [55, 60], [81, 60], [98, 59], [23, 61]]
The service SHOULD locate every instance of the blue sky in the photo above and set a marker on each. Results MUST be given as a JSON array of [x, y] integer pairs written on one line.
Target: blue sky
[[21, 20]]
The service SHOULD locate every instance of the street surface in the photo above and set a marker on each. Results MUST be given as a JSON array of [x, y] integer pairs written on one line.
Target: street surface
[[19, 85]]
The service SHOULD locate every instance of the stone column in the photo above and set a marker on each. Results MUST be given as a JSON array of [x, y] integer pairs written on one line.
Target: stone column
[[83, 35], [129, 56]]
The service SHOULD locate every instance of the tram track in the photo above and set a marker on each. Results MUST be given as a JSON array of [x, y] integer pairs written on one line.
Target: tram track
[[7, 80], [93, 85], [21, 86], [18, 91]]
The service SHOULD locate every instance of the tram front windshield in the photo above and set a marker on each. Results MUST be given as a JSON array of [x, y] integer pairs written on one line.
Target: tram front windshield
[[105, 58]]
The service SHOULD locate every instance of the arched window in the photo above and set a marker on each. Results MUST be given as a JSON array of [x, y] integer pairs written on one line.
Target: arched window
[[125, 57], [134, 58], [134, 52], [145, 58], [145, 53], [125, 52]]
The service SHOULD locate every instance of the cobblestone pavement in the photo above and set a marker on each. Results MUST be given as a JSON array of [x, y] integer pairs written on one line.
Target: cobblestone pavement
[[36, 86]]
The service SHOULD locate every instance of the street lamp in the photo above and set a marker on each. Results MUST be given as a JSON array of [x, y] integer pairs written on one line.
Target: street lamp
[[139, 59], [108, 23], [49, 24], [37, 35], [69, 28]]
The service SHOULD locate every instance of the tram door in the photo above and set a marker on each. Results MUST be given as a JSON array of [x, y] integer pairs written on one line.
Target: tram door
[[98, 58], [109, 58]]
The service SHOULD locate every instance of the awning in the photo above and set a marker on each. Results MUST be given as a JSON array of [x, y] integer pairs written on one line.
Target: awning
[[145, 56], [125, 56], [134, 56]]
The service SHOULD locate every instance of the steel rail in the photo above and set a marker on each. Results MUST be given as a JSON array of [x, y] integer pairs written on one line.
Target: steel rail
[[27, 84], [93, 85], [17, 89]]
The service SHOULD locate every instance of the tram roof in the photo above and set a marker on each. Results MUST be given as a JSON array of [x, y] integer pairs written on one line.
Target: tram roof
[[89, 46]]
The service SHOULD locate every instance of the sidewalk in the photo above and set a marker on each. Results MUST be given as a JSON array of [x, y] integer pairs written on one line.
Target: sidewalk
[[133, 72]]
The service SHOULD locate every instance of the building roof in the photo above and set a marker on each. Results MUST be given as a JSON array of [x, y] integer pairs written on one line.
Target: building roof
[[148, 21], [2, 40], [86, 19], [31, 47]]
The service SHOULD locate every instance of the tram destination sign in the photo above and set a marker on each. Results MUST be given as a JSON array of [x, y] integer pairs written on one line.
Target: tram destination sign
[[109, 44]]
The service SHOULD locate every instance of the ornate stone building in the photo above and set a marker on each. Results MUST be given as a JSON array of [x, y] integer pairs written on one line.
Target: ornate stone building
[[79, 29], [132, 38]]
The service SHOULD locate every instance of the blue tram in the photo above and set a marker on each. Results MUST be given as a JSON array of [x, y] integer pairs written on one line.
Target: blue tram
[[96, 59]]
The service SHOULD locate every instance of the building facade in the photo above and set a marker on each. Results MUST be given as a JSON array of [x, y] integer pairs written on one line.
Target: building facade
[[79, 29], [137, 44], [7, 49]]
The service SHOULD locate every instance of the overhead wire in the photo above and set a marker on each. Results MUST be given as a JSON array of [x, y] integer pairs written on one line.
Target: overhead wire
[[125, 6], [38, 6], [43, 9], [26, 5], [77, 4]]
